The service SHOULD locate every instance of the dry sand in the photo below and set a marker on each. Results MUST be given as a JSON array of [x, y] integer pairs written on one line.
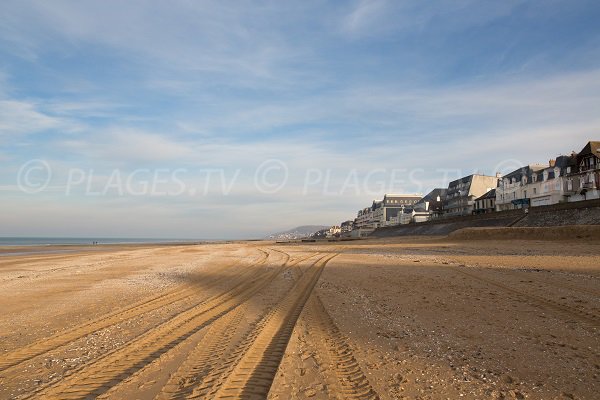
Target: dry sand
[[416, 318]]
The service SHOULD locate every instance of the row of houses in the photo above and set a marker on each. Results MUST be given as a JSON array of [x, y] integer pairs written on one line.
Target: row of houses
[[575, 177]]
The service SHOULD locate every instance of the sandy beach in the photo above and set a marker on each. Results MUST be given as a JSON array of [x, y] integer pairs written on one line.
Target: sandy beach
[[414, 318]]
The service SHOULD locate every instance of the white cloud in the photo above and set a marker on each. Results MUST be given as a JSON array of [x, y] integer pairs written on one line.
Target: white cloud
[[84, 108], [237, 43], [364, 16], [370, 18], [19, 117], [126, 145]]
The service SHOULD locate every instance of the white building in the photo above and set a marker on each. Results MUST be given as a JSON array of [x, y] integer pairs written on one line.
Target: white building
[[511, 192], [549, 186], [334, 231], [385, 212]]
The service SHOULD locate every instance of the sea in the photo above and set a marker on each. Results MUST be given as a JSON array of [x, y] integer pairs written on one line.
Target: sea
[[37, 245], [57, 241]]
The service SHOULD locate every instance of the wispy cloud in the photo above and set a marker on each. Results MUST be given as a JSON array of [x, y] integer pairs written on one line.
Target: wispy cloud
[[20, 117], [371, 18], [364, 16]]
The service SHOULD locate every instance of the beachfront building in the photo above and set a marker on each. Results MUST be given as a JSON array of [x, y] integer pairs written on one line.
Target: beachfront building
[[569, 178], [548, 186], [386, 212], [486, 203], [392, 206], [583, 179], [364, 223], [461, 194], [333, 231], [346, 227], [431, 206], [512, 192], [365, 218]]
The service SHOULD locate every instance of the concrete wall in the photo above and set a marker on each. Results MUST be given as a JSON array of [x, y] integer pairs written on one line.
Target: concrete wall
[[580, 213]]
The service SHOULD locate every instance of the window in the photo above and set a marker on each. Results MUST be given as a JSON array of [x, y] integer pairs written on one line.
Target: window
[[568, 170], [534, 190]]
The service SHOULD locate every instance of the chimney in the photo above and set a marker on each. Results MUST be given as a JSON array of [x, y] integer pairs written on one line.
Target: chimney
[[498, 175], [551, 163]]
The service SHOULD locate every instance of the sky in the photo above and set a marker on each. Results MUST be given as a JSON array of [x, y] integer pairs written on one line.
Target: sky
[[199, 119]]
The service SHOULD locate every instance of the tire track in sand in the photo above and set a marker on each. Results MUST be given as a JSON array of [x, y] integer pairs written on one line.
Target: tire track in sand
[[217, 353], [349, 381], [251, 375], [46, 345], [99, 376]]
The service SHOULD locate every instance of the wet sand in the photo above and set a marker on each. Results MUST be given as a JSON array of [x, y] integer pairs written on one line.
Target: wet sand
[[415, 318]]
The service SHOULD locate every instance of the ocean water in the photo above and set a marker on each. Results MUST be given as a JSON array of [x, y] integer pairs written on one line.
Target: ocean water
[[48, 241]]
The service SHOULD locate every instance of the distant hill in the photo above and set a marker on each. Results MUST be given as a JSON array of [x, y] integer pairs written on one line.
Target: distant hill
[[297, 232]]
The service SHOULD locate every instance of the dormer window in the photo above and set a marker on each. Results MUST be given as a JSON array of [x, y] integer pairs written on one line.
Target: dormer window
[[568, 170]]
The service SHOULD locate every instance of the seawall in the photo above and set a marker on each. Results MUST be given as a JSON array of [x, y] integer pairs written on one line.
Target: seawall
[[576, 213]]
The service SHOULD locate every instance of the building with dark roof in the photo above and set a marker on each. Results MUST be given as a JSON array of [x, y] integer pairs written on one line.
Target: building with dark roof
[[384, 212], [583, 179], [431, 206], [548, 186], [461, 194], [392, 206], [486, 203], [511, 192]]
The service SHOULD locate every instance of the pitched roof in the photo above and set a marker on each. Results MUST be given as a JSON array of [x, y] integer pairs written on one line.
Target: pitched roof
[[592, 147], [489, 195], [527, 170]]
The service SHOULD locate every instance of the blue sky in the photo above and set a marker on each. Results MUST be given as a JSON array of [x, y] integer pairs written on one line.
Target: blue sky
[[354, 98]]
